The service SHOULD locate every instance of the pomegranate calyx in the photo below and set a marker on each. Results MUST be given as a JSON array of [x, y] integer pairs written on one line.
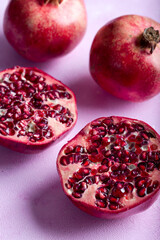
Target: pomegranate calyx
[[55, 2], [150, 38]]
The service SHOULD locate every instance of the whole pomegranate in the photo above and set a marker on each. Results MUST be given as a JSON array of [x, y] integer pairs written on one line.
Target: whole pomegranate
[[111, 168], [125, 56], [35, 109], [43, 29]]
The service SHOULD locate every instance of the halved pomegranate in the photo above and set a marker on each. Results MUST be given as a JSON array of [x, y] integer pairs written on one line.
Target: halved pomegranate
[[111, 168], [35, 109]]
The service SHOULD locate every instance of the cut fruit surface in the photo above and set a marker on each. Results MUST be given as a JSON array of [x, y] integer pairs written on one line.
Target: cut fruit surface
[[35, 109], [111, 168]]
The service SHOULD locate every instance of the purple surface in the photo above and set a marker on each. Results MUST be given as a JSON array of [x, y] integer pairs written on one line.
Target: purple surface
[[32, 204]]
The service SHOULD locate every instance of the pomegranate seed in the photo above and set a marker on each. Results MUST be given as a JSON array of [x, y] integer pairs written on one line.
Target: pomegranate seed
[[117, 147], [10, 132], [105, 162], [141, 192], [96, 179], [71, 159], [85, 171], [14, 77], [69, 122], [144, 174], [143, 156], [48, 134], [95, 138], [112, 131], [68, 150], [129, 187], [101, 204], [139, 127], [104, 178], [118, 192], [121, 130], [132, 138], [105, 141], [103, 168], [80, 187], [76, 158], [144, 135], [135, 172], [78, 176], [2, 125], [142, 166], [148, 182], [154, 147], [3, 132], [113, 206], [114, 174], [141, 183], [86, 162], [72, 180], [77, 195], [64, 161], [150, 166], [92, 150], [155, 184], [94, 171], [95, 123], [68, 186], [107, 153], [22, 133], [89, 180], [150, 189], [113, 199], [100, 195], [79, 149]]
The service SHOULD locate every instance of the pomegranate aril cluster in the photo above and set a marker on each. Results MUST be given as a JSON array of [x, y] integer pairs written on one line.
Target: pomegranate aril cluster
[[27, 102], [119, 158]]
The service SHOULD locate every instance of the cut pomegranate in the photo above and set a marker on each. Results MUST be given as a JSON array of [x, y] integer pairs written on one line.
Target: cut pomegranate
[[35, 109], [115, 174]]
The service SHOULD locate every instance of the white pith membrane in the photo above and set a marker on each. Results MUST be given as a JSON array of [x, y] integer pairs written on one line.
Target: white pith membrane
[[34, 111], [144, 183]]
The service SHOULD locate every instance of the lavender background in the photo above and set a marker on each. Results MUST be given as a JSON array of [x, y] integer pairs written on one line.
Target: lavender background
[[32, 204]]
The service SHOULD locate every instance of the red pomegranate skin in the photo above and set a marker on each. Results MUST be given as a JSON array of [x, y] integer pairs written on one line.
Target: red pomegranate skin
[[40, 30], [34, 115], [70, 170], [120, 63]]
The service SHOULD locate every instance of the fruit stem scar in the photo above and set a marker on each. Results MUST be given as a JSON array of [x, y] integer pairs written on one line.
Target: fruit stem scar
[[150, 38], [56, 2]]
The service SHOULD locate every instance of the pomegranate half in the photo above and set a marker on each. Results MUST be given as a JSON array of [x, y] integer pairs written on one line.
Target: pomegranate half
[[111, 168], [42, 29], [35, 109], [125, 56]]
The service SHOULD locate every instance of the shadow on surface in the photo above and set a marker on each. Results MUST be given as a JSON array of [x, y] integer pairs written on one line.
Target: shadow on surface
[[53, 211], [90, 95], [10, 58], [9, 157]]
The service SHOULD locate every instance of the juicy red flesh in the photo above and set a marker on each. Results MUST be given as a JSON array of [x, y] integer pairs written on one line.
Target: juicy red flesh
[[118, 157], [27, 104]]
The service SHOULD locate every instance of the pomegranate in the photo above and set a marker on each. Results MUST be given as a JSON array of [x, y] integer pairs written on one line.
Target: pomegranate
[[35, 109], [111, 168], [124, 59], [43, 29]]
